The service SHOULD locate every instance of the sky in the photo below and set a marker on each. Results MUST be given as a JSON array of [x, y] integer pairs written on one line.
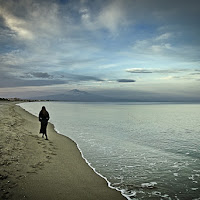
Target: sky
[[135, 49]]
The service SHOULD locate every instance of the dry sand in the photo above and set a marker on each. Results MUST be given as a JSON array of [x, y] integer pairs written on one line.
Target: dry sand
[[34, 168]]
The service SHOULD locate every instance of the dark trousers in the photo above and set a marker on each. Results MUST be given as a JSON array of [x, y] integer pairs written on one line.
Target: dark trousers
[[43, 128]]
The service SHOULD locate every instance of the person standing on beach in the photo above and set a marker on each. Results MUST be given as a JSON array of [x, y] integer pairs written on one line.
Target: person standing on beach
[[43, 118]]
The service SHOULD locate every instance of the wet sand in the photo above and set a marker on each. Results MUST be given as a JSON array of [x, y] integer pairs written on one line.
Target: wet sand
[[34, 168]]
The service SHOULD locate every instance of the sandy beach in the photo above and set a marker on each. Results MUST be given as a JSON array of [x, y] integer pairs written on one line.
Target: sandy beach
[[34, 168]]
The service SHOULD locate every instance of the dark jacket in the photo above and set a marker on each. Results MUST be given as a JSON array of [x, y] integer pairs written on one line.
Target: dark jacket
[[43, 117]]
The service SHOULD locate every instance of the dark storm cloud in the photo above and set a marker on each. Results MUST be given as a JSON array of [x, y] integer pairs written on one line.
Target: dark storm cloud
[[43, 78], [126, 81], [41, 75], [13, 81], [76, 77], [37, 75], [85, 78]]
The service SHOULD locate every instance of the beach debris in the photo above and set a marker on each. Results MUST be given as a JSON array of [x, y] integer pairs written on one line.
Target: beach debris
[[157, 193], [149, 185], [175, 174], [194, 189], [131, 194]]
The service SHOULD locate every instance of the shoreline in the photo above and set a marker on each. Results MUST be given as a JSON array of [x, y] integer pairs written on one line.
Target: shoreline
[[33, 168], [90, 165], [87, 162]]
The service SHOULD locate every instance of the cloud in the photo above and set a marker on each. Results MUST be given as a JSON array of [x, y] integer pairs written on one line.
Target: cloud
[[85, 42], [41, 75], [9, 80], [113, 16], [100, 16], [31, 19], [164, 36], [16, 24], [52, 42], [63, 76], [37, 75], [38, 78], [167, 74], [159, 71], [153, 47], [167, 78], [138, 70], [196, 73], [153, 74], [126, 81], [79, 78]]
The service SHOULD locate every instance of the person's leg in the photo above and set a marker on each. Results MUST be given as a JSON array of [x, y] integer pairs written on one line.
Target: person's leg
[[46, 136], [45, 131], [42, 128]]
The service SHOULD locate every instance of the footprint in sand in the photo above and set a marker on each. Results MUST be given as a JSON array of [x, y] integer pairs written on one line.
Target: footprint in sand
[[20, 177], [31, 172], [3, 177]]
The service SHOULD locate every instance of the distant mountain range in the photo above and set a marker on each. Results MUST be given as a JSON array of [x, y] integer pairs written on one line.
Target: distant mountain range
[[76, 95]]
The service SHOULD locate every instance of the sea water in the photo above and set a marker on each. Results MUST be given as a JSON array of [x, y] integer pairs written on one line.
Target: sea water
[[145, 150]]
